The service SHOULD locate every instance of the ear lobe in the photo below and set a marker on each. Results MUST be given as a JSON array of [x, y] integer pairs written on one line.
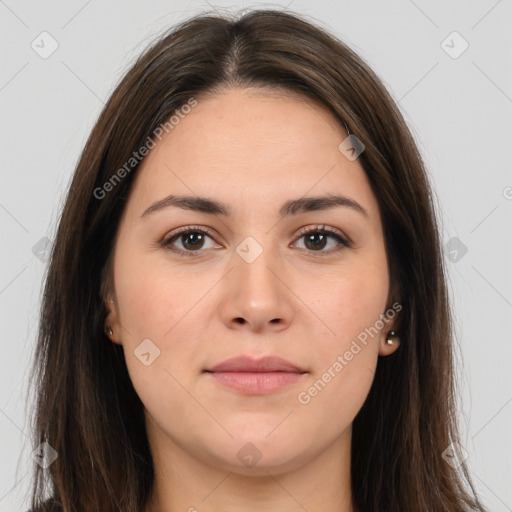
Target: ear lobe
[[112, 325], [389, 343], [390, 334]]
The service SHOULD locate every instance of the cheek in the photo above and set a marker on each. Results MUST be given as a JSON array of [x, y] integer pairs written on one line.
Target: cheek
[[351, 302], [347, 352], [153, 314], [159, 302], [346, 355], [338, 392], [154, 295]]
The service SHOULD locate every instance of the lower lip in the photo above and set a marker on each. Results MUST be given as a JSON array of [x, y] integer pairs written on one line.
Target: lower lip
[[256, 383]]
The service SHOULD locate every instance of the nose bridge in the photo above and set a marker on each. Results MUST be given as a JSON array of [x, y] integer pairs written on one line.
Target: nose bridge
[[256, 262], [254, 293]]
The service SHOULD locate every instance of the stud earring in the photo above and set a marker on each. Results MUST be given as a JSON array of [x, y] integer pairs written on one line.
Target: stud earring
[[389, 340], [108, 330]]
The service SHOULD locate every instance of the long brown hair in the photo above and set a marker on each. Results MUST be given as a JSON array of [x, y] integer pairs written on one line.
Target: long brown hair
[[87, 409]]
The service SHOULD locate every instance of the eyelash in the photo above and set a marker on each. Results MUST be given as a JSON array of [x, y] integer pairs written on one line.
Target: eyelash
[[343, 243]]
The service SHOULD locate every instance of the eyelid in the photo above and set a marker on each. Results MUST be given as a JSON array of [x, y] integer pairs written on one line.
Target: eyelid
[[326, 229], [185, 229]]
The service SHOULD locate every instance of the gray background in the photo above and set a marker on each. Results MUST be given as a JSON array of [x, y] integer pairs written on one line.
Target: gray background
[[458, 107]]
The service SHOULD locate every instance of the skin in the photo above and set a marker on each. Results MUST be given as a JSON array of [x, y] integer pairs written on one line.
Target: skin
[[253, 150]]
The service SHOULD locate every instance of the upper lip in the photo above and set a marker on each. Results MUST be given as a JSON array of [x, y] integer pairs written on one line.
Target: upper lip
[[249, 364]]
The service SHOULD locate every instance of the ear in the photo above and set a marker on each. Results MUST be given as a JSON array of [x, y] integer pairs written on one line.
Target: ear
[[112, 323], [391, 330], [112, 320], [386, 349]]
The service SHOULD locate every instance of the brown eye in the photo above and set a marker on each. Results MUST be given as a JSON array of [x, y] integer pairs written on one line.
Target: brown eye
[[192, 240], [316, 239]]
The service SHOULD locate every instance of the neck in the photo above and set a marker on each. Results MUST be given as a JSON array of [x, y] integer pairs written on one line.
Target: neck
[[185, 483]]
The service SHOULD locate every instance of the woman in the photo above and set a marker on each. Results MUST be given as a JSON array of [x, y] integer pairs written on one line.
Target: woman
[[246, 308]]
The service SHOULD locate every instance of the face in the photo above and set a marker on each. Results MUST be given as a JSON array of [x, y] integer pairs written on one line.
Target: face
[[193, 288]]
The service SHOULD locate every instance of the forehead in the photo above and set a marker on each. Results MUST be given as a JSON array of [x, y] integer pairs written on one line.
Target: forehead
[[256, 144], [238, 124]]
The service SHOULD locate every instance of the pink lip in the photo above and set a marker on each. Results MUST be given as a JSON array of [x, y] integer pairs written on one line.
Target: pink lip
[[248, 364], [256, 376]]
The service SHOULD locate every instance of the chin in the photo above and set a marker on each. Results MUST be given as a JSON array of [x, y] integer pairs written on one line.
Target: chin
[[257, 455]]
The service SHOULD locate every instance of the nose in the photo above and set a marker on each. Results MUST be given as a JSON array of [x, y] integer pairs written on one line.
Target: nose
[[255, 295]]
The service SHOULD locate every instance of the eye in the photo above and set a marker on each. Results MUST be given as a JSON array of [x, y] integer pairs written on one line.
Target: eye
[[316, 238], [191, 238]]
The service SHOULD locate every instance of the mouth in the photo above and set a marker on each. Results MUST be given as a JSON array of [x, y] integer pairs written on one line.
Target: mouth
[[256, 376]]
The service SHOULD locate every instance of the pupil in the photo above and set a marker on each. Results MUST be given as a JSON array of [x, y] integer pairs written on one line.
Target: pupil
[[312, 236], [192, 235]]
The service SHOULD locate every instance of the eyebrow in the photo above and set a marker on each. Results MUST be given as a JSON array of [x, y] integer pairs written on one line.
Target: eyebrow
[[292, 207]]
